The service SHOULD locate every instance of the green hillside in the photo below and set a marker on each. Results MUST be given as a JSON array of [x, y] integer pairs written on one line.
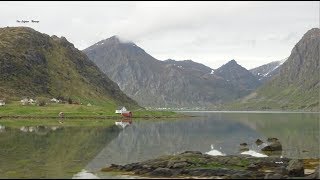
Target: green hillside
[[34, 65]]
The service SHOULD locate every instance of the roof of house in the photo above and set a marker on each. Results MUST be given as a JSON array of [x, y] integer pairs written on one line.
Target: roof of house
[[120, 107]]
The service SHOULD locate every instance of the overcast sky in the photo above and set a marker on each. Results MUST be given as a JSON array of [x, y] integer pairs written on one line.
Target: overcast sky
[[212, 33]]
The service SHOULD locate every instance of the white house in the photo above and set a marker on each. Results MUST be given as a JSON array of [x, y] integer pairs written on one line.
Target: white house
[[55, 100], [24, 101], [121, 109], [2, 103], [31, 101]]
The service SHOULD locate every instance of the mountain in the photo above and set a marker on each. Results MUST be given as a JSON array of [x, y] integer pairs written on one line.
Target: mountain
[[267, 71], [170, 83], [190, 65], [34, 64], [296, 86], [240, 77]]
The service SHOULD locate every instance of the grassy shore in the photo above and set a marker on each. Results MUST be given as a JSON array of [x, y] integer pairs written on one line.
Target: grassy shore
[[16, 115], [16, 110]]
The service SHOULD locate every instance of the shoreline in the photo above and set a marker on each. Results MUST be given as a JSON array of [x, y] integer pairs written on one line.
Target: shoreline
[[194, 164], [225, 111], [93, 117]]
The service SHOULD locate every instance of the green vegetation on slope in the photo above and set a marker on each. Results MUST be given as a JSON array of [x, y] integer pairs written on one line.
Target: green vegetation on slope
[[34, 65]]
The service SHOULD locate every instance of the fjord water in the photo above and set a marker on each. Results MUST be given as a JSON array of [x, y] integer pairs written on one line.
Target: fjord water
[[69, 152]]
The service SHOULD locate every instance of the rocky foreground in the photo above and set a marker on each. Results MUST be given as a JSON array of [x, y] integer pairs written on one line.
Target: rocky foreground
[[194, 164]]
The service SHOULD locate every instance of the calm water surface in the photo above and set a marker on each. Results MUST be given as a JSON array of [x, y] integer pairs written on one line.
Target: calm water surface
[[53, 152]]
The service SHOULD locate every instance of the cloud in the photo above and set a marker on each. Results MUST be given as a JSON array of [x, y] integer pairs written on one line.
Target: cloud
[[211, 33]]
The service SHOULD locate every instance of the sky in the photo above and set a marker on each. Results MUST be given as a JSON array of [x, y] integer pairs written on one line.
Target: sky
[[211, 33]]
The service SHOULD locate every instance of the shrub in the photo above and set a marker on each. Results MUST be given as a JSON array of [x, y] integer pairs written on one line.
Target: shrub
[[42, 101], [69, 100]]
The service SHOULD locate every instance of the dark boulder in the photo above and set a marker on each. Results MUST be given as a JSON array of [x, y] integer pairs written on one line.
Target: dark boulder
[[259, 142], [162, 172], [273, 176], [272, 139], [295, 168], [243, 147], [274, 146], [192, 152]]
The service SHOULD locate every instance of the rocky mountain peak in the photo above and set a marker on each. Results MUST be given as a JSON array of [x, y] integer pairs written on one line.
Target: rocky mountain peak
[[233, 61], [113, 39], [118, 40], [232, 64], [312, 33]]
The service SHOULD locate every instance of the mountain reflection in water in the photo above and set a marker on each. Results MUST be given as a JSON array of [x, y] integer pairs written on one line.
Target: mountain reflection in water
[[225, 131]]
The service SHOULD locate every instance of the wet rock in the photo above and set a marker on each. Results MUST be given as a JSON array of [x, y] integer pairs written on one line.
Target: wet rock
[[274, 146], [163, 172], [243, 147], [295, 168], [206, 172], [177, 163], [180, 165], [157, 164], [115, 166], [242, 175], [192, 152], [272, 139], [259, 142], [273, 176], [252, 167], [131, 167], [142, 171]]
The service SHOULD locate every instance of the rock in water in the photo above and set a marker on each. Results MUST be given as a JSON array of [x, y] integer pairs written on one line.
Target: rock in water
[[295, 168], [274, 146], [259, 142], [243, 147], [272, 139]]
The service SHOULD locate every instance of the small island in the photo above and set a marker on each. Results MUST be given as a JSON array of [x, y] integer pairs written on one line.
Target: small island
[[194, 164]]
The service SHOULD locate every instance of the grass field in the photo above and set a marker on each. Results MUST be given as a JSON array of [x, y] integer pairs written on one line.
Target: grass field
[[72, 110], [16, 115]]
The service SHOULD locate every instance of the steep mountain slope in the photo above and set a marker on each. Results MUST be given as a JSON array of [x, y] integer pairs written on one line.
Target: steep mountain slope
[[157, 83], [189, 65], [267, 71], [237, 75], [296, 87], [34, 64]]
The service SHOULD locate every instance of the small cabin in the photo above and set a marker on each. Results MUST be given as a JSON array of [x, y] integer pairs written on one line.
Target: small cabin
[[2, 103], [120, 109], [126, 114]]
